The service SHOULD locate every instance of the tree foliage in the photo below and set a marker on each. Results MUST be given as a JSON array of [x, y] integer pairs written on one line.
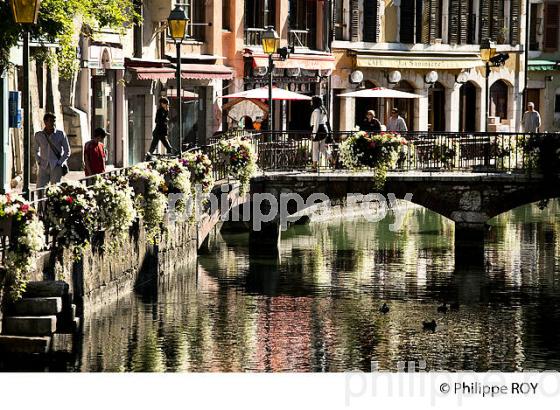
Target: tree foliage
[[60, 20]]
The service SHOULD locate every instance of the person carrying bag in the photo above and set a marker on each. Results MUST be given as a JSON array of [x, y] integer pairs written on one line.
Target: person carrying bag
[[320, 130]]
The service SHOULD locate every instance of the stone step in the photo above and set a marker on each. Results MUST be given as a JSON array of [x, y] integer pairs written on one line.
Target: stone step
[[24, 344], [46, 288], [29, 325], [37, 306]]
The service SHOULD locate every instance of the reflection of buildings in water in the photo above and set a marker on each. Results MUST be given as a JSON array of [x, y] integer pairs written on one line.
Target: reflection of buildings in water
[[284, 334]]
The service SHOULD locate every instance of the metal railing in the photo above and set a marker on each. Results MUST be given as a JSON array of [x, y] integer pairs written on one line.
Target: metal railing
[[424, 151], [298, 38], [253, 36]]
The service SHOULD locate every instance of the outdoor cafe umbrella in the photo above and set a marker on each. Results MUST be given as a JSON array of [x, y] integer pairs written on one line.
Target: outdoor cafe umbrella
[[262, 94], [380, 92]]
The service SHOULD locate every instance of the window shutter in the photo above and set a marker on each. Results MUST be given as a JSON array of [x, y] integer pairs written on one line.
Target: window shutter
[[484, 19], [551, 23], [514, 24], [431, 28], [407, 21], [498, 23], [370, 21], [354, 20], [454, 21]]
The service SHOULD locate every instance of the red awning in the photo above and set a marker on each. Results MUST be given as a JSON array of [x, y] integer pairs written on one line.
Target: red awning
[[206, 72], [305, 61], [188, 71]]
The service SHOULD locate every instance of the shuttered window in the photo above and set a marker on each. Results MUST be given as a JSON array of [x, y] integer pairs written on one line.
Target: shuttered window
[[515, 14], [431, 22], [551, 26], [354, 20], [371, 21], [460, 22], [407, 21], [492, 21]]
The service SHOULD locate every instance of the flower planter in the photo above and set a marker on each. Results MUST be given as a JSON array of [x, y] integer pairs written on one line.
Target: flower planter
[[6, 226]]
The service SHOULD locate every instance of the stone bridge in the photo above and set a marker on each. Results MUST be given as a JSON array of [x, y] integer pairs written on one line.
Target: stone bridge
[[468, 199]]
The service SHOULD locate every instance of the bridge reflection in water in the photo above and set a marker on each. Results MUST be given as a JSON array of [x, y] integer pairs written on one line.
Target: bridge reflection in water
[[316, 308]]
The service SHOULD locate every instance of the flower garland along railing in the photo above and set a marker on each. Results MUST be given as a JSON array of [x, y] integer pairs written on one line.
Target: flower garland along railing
[[149, 200], [115, 205], [240, 160], [379, 152], [19, 222], [73, 211]]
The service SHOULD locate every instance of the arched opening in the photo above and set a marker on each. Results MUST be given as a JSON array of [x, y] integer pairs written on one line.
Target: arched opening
[[405, 105], [363, 105], [467, 107], [499, 100], [436, 107]]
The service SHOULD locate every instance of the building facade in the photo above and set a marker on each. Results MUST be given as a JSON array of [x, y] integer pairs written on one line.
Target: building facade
[[408, 40], [544, 57]]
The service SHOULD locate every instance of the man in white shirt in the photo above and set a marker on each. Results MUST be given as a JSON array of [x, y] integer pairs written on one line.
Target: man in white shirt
[[52, 150], [396, 123], [531, 119]]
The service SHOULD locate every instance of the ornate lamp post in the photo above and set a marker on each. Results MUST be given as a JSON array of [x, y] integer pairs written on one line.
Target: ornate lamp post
[[26, 12], [270, 43], [177, 22], [487, 52]]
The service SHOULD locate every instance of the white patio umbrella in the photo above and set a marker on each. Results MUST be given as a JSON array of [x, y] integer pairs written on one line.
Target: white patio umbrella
[[262, 94], [380, 92]]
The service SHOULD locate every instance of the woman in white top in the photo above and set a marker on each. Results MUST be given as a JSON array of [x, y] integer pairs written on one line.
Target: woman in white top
[[319, 133]]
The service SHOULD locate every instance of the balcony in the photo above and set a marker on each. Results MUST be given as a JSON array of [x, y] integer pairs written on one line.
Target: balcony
[[298, 38], [253, 36]]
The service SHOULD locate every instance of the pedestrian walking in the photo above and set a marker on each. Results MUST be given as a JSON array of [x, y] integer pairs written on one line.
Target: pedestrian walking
[[370, 123], [94, 153], [531, 119], [320, 131], [396, 123], [52, 150], [161, 130]]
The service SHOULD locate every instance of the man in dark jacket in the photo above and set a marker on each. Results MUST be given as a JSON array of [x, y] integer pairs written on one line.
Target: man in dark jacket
[[160, 131]]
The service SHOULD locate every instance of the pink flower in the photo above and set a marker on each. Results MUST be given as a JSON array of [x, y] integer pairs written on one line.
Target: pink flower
[[24, 208], [69, 199]]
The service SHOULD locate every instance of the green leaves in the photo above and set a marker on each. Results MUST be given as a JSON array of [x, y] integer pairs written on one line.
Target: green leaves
[[62, 21]]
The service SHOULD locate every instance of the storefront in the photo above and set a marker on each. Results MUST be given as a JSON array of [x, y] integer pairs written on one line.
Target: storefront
[[306, 74]]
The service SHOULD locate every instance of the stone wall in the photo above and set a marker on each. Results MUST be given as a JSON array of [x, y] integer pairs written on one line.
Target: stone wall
[[102, 276]]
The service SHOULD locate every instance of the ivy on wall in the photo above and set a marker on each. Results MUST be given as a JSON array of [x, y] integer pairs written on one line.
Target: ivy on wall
[[60, 20]]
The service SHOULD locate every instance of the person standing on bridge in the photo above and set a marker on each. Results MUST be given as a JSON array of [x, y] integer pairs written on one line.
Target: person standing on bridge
[[370, 123], [320, 130], [396, 123], [161, 129], [531, 119]]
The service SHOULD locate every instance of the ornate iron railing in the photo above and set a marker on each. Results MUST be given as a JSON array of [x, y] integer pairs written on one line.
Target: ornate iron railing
[[433, 151]]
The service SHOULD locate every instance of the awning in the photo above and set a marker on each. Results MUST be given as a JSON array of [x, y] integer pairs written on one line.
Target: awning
[[188, 71], [413, 62], [542, 65], [186, 95], [304, 61], [206, 72]]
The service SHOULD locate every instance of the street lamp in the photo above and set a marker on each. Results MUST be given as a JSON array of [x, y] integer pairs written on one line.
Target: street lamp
[[177, 22], [26, 12], [487, 52], [270, 43]]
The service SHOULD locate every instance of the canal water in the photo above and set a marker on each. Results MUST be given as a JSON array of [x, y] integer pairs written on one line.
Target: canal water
[[316, 307]]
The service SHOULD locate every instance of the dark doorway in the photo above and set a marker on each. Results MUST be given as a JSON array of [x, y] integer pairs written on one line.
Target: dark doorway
[[436, 107], [534, 96], [405, 105], [300, 115], [363, 105], [467, 108]]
